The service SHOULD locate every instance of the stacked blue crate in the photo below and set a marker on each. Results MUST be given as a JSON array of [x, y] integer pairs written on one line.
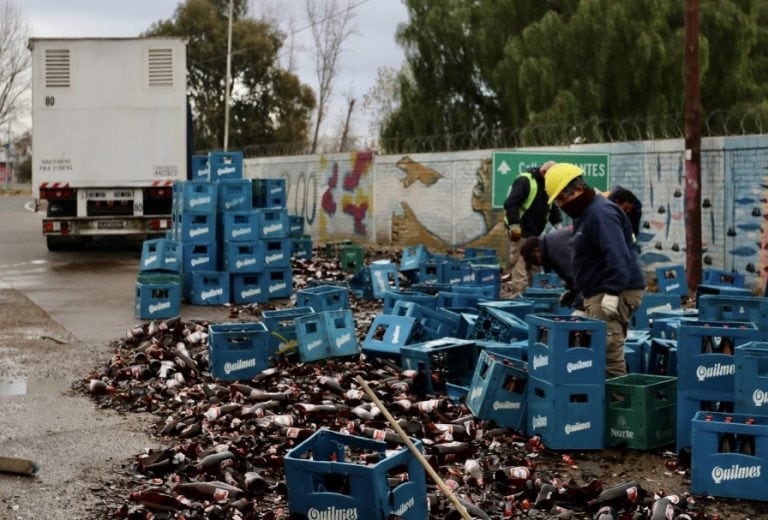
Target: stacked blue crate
[[671, 280], [566, 381], [751, 379], [194, 219], [706, 369], [735, 308], [440, 362], [725, 283], [498, 391], [158, 285], [301, 244]]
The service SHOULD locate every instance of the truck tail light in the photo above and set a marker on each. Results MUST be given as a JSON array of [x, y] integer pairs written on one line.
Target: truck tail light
[[159, 193], [157, 224], [55, 227], [57, 193]]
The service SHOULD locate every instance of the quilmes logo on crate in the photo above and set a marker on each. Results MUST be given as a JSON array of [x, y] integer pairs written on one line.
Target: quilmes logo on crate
[[333, 513], [242, 231], [539, 421], [240, 364], [199, 261], [224, 170], [280, 286], [577, 427], [578, 365], [313, 345], [343, 339], [198, 231], [157, 307], [211, 293], [239, 264], [199, 201], [247, 293], [507, 405], [759, 397], [273, 228], [735, 472], [150, 260], [540, 361], [717, 370], [238, 201], [270, 259], [475, 393]]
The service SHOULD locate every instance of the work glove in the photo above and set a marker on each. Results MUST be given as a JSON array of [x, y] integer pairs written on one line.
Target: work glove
[[579, 313], [514, 232], [610, 305], [566, 299]]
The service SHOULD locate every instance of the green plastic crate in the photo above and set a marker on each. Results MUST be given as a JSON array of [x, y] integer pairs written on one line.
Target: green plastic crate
[[333, 249], [351, 258], [641, 411]]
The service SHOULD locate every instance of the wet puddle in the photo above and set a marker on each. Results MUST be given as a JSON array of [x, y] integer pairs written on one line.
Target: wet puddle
[[23, 385]]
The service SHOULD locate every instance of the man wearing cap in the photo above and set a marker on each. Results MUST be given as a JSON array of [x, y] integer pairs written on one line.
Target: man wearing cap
[[527, 212], [603, 257]]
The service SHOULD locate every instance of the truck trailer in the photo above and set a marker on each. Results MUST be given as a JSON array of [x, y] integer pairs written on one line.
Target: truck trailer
[[109, 135]]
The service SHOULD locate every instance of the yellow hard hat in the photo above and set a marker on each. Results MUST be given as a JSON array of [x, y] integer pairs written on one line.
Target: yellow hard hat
[[558, 177]]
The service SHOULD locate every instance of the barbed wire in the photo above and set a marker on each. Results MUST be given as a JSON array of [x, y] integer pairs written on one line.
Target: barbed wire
[[670, 126]]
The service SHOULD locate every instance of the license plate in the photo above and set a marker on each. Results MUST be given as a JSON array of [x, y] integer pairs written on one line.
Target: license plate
[[109, 194], [111, 224]]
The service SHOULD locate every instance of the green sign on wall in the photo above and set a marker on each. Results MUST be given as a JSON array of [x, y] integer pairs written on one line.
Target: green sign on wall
[[508, 165]]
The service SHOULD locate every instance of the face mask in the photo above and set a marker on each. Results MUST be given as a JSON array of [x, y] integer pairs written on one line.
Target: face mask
[[576, 206]]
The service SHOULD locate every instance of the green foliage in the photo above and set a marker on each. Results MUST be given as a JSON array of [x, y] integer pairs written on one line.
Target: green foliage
[[556, 70], [268, 105]]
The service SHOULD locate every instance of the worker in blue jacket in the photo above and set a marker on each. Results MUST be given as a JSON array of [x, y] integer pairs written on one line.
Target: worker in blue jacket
[[527, 213], [604, 259]]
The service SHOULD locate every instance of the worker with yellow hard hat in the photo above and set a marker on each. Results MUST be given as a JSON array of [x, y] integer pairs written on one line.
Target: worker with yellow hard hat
[[604, 259]]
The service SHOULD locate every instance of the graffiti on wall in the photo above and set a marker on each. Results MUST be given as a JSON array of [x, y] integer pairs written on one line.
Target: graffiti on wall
[[345, 203]]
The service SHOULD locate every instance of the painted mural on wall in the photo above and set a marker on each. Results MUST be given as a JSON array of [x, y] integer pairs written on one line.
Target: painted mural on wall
[[444, 200]]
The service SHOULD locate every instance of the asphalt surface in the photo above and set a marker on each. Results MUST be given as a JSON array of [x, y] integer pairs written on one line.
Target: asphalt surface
[[58, 314]]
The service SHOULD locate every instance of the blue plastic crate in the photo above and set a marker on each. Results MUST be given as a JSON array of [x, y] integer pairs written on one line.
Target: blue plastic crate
[[277, 253], [459, 299], [295, 226], [327, 334], [651, 304], [157, 297], [705, 349], [723, 290], [688, 404], [323, 298], [662, 357], [413, 257], [325, 479], [466, 318], [278, 283], [392, 297], [200, 170], [199, 256], [234, 195], [225, 165], [515, 349], [735, 308], [269, 193], [238, 350], [545, 301], [738, 473], [751, 387], [433, 324], [383, 278], [206, 287], [497, 325], [430, 287], [636, 349], [641, 411], [498, 391], [194, 196], [388, 333], [475, 252], [195, 227], [160, 255], [671, 280], [546, 281], [430, 271], [240, 226], [666, 324], [273, 223], [452, 272], [484, 292], [440, 361], [567, 417], [566, 350], [517, 307], [720, 277], [301, 248], [243, 257], [281, 324], [248, 287]]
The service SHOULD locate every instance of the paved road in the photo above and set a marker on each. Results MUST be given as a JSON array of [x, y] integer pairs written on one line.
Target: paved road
[[58, 314]]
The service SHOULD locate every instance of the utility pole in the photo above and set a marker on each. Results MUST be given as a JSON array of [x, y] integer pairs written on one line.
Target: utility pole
[[229, 79], [692, 147]]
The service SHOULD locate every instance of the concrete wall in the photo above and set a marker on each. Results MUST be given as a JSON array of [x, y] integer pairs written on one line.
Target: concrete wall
[[442, 200]]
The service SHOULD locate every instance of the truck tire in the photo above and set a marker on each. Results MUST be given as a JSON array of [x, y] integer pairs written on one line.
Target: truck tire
[[58, 243]]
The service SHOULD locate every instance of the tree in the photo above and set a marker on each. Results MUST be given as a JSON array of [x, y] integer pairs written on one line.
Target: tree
[[14, 61], [541, 68], [331, 25], [268, 105], [381, 100]]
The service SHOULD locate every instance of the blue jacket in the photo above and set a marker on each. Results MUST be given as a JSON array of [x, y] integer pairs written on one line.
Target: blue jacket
[[604, 257]]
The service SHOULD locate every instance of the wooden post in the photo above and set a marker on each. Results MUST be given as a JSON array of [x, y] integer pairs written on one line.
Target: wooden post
[[692, 147]]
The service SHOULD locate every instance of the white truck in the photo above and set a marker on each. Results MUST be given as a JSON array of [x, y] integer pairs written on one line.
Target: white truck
[[109, 135]]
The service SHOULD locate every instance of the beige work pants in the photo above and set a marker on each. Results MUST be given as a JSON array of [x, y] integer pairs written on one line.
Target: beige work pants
[[615, 328]]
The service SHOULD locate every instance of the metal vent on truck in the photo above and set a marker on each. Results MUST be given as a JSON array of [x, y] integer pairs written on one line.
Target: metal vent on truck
[[57, 68], [160, 67]]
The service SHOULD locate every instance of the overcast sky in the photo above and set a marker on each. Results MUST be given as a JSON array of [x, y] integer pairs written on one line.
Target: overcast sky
[[371, 47]]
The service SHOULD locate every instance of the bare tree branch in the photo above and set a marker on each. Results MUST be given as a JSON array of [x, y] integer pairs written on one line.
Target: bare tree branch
[[14, 61], [331, 26]]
